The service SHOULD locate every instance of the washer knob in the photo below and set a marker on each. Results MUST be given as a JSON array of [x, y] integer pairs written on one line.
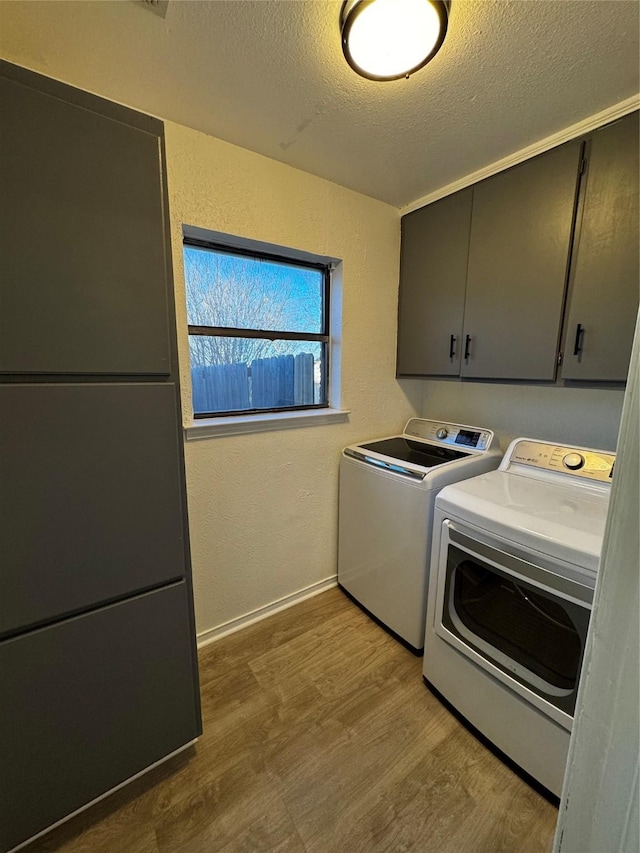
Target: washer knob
[[442, 433], [573, 461]]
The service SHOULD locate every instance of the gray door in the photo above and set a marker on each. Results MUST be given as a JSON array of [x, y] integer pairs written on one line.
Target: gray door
[[88, 703], [521, 229], [90, 497], [605, 275], [433, 273], [82, 253]]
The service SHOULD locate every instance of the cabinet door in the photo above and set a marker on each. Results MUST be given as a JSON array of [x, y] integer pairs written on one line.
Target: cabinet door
[[521, 228], [90, 497], [433, 272], [89, 702], [605, 275], [82, 235]]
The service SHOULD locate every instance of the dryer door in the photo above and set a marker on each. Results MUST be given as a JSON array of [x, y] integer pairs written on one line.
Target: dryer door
[[520, 620]]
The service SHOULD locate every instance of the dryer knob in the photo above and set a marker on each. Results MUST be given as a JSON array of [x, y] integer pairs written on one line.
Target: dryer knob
[[442, 433], [573, 461]]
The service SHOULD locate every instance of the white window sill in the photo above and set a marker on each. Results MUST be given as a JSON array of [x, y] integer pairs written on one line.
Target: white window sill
[[239, 424]]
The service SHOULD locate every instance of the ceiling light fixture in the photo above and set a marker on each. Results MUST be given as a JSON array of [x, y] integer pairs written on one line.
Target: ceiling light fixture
[[390, 39]]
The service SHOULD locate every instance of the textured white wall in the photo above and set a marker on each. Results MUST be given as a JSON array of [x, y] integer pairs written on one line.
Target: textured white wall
[[263, 507], [589, 417]]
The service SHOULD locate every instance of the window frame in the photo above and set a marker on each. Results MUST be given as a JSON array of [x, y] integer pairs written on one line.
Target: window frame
[[323, 337]]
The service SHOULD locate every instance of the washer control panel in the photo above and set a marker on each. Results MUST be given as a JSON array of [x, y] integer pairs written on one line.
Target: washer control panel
[[452, 435], [578, 461]]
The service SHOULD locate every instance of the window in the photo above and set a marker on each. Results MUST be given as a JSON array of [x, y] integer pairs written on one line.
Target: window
[[258, 330]]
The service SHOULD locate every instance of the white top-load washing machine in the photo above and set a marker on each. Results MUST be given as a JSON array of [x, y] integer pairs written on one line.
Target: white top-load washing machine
[[514, 564], [387, 494]]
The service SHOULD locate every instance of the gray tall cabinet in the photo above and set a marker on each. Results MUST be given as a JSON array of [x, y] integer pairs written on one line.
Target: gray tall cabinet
[[98, 669]]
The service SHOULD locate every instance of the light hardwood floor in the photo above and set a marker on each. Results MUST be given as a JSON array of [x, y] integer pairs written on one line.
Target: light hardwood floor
[[319, 737]]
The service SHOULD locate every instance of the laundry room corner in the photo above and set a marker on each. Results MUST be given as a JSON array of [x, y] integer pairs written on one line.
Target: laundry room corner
[[263, 506]]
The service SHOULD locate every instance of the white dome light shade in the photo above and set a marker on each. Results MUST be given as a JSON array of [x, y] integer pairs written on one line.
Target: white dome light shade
[[389, 39]]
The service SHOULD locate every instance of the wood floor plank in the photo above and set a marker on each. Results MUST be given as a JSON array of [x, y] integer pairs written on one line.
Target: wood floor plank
[[105, 838], [240, 810], [513, 819], [319, 737]]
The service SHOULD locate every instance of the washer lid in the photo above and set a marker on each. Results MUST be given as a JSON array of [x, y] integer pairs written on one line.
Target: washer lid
[[417, 452], [563, 521]]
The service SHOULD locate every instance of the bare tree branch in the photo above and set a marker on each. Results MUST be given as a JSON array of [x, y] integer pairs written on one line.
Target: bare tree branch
[[252, 293]]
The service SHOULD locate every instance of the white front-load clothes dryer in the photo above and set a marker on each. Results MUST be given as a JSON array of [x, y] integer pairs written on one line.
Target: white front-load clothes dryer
[[387, 495], [514, 564]]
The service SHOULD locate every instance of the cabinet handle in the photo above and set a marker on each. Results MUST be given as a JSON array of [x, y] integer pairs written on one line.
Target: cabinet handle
[[467, 347], [452, 346], [577, 347]]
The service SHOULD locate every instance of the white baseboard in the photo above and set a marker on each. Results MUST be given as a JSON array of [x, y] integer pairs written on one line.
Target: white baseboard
[[233, 625]]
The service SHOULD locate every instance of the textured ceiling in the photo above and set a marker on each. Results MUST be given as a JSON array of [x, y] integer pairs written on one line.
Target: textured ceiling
[[269, 75]]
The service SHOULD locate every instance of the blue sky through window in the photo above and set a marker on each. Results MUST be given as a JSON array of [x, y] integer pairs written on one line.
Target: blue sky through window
[[234, 372], [252, 293]]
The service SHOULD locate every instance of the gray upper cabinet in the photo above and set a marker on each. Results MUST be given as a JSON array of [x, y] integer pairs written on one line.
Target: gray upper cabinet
[[483, 274], [82, 244], [605, 273], [521, 229], [435, 246]]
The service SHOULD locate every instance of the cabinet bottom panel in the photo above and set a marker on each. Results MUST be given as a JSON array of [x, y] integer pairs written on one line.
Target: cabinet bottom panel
[[90, 702]]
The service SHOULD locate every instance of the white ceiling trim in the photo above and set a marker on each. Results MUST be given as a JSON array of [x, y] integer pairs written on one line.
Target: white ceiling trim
[[585, 126]]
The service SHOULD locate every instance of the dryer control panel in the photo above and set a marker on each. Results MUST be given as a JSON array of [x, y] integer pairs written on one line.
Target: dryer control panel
[[578, 461], [452, 435]]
